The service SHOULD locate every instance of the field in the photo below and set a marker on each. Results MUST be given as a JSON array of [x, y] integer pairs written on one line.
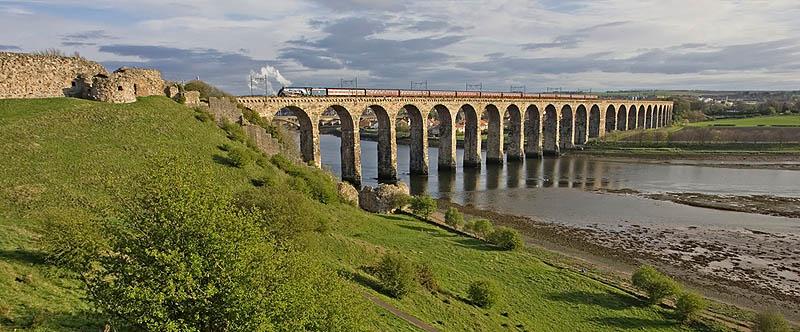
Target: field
[[68, 159], [777, 120]]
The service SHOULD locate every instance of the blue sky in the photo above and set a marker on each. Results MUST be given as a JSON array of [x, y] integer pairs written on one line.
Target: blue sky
[[598, 45]]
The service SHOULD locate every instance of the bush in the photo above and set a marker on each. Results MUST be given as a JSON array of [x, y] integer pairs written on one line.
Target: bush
[[396, 275], [206, 90], [482, 293], [689, 305], [480, 227], [506, 238], [203, 115], [240, 157], [426, 278], [183, 258], [423, 205], [454, 218], [399, 200], [657, 285], [770, 321], [284, 212]]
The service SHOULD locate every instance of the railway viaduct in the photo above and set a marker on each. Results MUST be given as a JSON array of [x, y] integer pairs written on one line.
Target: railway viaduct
[[534, 127]]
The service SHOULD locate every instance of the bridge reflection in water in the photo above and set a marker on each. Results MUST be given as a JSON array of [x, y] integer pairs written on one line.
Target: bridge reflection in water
[[548, 172]]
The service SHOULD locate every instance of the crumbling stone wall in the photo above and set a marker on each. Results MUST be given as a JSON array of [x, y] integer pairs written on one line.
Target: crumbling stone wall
[[113, 89], [145, 82], [43, 76]]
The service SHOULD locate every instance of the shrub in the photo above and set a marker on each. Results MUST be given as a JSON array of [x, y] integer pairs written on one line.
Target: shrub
[[203, 115], [426, 278], [482, 293], [657, 285], [396, 275], [206, 90], [689, 305], [284, 212], [234, 131], [423, 205], [480, 227], [454, 218], [770, 321], [506, 238], [240, 157], [183, 258], [399, 200]]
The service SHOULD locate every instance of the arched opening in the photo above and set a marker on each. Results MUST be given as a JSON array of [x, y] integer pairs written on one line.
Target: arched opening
[[640, 118], [513, 123], [442, 126], [581, 120], [350, 143], [296, 118], [467, 118], [611, 119], [411, 126], [375, 120], [594, 122], [622, 118], [632, 117], [550, 131], [493, 119], [648, 120], [533, 132], [566, 129]]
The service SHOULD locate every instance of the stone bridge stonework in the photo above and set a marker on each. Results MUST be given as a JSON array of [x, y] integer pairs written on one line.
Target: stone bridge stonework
[[535, 126]]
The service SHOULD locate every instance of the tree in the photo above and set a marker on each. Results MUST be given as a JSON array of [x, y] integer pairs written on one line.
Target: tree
[[689, 305], [423, 205], [657, 285], [454, 218]]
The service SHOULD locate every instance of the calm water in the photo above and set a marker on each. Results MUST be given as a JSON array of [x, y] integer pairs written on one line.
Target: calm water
[[560, 189]]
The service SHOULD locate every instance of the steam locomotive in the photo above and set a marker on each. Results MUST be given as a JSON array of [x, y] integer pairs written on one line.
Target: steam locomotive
[[351, 92]]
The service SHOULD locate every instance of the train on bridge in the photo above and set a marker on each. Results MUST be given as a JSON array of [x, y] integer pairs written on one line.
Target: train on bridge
[[355, 92]]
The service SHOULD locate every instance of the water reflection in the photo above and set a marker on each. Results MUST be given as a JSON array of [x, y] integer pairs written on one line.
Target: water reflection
[[579, 172]]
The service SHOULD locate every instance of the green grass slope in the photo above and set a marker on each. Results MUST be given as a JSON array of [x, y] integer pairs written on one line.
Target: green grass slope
[[775, 120], [68, 159]]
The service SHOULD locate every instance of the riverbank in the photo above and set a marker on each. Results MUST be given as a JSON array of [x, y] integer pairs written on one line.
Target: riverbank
[[714, 158], [743, 267]]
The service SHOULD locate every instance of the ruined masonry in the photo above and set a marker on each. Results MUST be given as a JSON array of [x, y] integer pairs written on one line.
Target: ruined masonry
[[47, 76]]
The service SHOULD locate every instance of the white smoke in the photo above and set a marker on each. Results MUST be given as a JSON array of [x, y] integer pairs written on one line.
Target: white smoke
[[262, 79]]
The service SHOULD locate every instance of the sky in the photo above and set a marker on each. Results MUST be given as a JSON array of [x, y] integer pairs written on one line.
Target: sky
[[541, 44]]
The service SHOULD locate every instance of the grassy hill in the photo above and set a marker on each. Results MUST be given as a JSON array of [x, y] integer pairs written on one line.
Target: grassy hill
[[72, 160], [759, 121]]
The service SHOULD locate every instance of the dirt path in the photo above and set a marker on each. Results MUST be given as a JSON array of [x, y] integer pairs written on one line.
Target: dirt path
[[399, 313]]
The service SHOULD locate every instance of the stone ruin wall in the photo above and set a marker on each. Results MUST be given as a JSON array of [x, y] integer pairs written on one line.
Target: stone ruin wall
[[145, 82], [43, 76]]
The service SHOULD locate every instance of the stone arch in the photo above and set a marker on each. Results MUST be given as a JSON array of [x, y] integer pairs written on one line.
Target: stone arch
[[515, 133], [594, 121], [581, 125], [641, 118], [648, 118], [611, 119], [533, 132], [472, 136], [566, 128], [550, 128], [350, 148], [447, 137], [387, 144], [632, 117], [622, 118], [309, 135], [418, 139], [495, 135]]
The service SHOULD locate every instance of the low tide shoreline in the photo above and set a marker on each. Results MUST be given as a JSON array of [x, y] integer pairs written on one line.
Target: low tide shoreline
[[746, 268]]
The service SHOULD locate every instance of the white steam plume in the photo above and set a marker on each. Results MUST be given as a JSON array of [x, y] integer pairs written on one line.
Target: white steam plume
[[261, 80]]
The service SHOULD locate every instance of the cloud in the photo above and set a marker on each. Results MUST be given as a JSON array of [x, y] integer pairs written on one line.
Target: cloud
[[9, 48], [352, 43], [362, 5], [88, 35], [571, 40]]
